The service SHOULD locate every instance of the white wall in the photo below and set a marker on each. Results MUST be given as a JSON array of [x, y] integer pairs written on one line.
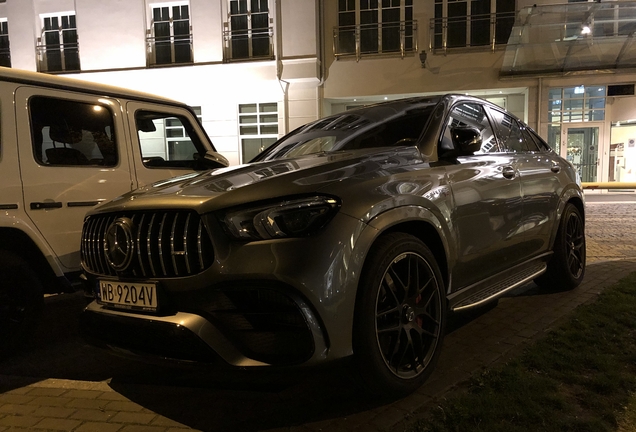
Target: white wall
[[22, 33], [207, 24], [111, 34]]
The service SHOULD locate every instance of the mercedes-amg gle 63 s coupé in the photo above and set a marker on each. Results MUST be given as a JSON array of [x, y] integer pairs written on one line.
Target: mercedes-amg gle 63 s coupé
[[350, 237]]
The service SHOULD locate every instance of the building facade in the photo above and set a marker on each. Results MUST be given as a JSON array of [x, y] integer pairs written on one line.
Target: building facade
[[257, 69]]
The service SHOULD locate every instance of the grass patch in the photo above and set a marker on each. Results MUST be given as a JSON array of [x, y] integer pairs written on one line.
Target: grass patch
[[581, 377]]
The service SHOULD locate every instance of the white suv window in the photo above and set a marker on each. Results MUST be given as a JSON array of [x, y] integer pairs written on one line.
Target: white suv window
[[71, 133], [167, 140]]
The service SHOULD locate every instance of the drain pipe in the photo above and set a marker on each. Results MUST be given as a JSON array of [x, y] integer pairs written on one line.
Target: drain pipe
[[321, 59], [539, 100], [278, 50]]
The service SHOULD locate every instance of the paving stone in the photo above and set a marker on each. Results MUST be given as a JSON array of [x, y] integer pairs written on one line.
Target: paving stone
[[19, 421], [49, 411], [99, 427], [94, 415], [57, 424], [139, 428], [133, 417]]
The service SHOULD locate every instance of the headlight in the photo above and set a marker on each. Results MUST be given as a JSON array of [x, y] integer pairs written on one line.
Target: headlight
[[294, 218]]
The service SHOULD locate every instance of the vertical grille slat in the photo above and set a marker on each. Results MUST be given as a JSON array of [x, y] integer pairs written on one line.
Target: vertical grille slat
[[166, 244], [96, 234], [200, 243], [162, 226], [186, 255], [172, 250], [149, 244]]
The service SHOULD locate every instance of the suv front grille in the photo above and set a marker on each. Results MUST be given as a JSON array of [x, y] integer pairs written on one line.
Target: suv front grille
[[165, 244]]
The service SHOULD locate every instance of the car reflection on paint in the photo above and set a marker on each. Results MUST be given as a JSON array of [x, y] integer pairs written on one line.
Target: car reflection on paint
[[351, 237]]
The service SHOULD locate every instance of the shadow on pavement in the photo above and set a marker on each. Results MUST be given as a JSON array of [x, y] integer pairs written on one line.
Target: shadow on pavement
[[207, 400]]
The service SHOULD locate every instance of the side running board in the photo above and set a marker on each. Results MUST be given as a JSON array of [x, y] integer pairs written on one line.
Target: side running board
[[490, 292]]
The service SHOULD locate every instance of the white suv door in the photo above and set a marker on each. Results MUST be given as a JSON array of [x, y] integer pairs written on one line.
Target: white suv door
[[72, 156], [166, 141]]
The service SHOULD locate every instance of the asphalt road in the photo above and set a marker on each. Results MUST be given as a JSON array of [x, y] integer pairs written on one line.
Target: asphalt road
[[60, 383]]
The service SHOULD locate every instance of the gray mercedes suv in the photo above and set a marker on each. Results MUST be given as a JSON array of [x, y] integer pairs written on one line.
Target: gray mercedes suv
[[351, 237]]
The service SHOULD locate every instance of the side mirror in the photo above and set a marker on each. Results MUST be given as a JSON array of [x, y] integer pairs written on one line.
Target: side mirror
[[467, 139], [211, 160]]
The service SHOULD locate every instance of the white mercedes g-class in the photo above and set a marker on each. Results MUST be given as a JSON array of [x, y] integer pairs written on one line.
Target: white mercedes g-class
[[65, 146]]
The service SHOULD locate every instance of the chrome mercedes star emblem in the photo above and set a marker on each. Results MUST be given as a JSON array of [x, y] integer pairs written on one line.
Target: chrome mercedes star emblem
[[118, 244]]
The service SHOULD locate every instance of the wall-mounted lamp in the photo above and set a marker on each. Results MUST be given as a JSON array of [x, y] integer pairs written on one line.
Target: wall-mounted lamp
[[423, 58]]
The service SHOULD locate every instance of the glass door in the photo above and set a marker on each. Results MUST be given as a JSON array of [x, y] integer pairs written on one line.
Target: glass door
[[582, 149]]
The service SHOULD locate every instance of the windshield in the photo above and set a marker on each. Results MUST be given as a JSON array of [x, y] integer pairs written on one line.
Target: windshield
[[350, 131]]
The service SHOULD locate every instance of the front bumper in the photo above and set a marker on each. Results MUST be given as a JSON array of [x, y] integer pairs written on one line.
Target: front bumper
[[262, 328]]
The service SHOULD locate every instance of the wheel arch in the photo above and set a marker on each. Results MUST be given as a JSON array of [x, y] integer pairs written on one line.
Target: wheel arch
[[423, 224], [572, 196], [427, 233], [18, 242]]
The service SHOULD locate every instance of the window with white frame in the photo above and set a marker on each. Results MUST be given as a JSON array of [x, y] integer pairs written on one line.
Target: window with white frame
[[58, 49], [5, 52], [170, 39], [249, 34], [258, 128], [375, 26]]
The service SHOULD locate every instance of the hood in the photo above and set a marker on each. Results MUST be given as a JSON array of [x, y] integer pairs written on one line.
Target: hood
[[227, 187]]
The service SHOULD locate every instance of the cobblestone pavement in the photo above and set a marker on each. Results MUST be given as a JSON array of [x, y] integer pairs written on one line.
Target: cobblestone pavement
[[60, 384]]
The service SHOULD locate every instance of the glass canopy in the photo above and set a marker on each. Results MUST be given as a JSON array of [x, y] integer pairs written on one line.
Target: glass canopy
[[566, 38]]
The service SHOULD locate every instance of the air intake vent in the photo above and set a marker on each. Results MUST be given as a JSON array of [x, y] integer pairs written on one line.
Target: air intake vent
[[620, 90], [162, 244]]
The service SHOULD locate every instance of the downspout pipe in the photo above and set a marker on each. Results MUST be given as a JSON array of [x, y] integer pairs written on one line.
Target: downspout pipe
[[278, 50]]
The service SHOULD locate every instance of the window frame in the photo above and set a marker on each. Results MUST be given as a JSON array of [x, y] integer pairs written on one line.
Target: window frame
[[175, 41], [365, 34], [258, 125], [69, 59], [250, 39], [38, 153], [487, 118], [5, 60]]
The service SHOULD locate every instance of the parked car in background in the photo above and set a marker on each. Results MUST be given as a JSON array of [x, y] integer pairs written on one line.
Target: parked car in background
[[66, 146], [352, 236]]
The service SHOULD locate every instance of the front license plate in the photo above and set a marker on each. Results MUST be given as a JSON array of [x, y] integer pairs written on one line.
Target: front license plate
[[140, 296]]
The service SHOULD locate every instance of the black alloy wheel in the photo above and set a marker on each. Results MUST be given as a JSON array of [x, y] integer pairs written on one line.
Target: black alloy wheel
[[566, 268], [400, 316], [575, 244]]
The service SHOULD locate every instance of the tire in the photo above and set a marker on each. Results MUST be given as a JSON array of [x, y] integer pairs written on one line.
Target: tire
[[21, 302], [399, 318], [566, 268]]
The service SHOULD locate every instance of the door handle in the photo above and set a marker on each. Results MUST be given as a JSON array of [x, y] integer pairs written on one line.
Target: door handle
[[555, 168], [508, 172], [45, 205]]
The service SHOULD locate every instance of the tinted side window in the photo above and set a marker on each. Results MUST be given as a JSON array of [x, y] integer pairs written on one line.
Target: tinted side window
[[403, 130], [509, 132], [167, 140], [530, 142], [541, 144], [72, 133], [470, 114]]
